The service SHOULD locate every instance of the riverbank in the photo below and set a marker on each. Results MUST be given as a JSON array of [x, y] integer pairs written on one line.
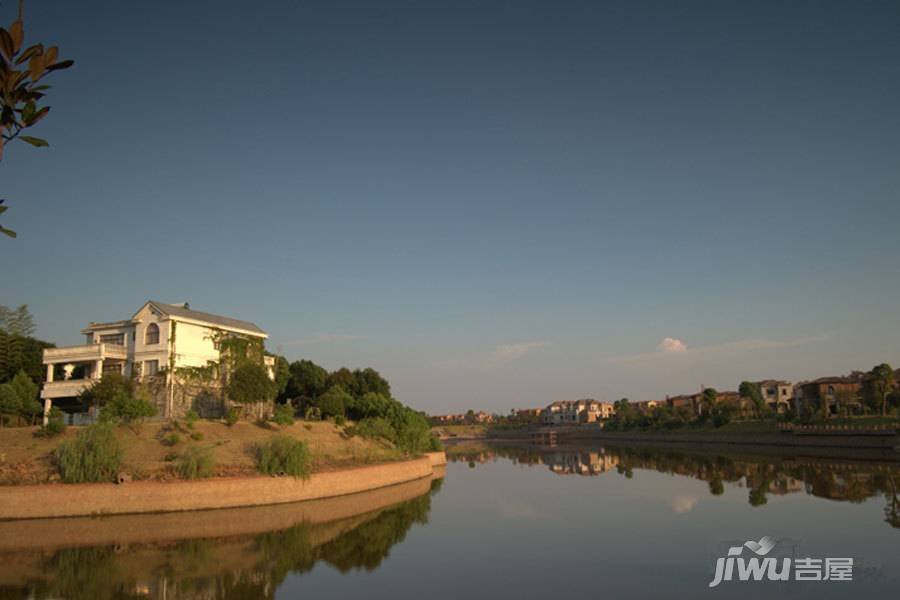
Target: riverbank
[[151, 449], [884, 442], [99, 499]]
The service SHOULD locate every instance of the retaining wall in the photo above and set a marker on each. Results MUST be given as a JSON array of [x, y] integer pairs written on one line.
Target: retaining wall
[[90, 499]]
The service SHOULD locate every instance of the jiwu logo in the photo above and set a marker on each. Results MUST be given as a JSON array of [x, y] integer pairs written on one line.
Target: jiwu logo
[[757, 566]]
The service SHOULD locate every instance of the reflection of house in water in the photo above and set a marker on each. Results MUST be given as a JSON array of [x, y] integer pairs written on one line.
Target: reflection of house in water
[[785, 484], [580, 463]]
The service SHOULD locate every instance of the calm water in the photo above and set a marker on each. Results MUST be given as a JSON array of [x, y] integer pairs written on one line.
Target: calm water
[[586, 522]]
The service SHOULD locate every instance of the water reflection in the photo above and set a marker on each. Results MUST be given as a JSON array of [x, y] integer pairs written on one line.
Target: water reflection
[[832, 478], [247, 565]]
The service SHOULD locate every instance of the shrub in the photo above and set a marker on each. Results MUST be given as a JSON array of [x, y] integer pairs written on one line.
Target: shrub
[[284, 415], [56, 423], [94, 456], [232, 416], [340, 420], [127, 408], [191, 417], [374, 428], [333, 402], [195, 463], [313, 413], [283, 455], [435, 445], [307, 426], [196, 436], [171, 439]]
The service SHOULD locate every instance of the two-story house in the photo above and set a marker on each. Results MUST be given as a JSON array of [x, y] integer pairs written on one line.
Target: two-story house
[[156, 341]]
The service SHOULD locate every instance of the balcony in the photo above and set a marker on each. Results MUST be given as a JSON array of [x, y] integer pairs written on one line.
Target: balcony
[[65, 389], [85, 353]]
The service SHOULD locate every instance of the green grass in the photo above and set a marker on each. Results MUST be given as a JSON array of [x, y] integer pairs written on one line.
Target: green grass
[[284, 455]]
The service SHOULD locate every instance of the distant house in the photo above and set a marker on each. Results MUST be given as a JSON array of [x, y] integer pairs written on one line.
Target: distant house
[[810, 395], [683, 402], [150, 346], [571, 412], [647, 406], [777, 394]]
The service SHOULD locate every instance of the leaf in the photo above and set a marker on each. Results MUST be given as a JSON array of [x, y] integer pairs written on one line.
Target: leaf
[[51, 54], [31, 51], [17, 33], [6, 44], [34, 141], [63, 64], [37, 116], [8, 232]]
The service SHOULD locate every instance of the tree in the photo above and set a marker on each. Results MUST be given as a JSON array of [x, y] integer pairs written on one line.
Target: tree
[[18, 350], [18, 399], [344, 378], [708, 399], [250, 384], [307, 380], [21, 89], [882, 381], [282, 376], [106, 390], [333, 402], [751, 391]]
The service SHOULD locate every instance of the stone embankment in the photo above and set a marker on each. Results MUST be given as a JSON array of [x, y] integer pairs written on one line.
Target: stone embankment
[[96, 499]]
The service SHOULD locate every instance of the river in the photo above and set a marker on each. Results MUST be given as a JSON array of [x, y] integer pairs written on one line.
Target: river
[[506, 522]]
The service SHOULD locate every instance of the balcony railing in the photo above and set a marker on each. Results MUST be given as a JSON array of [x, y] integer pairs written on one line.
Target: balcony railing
[[85, 353], [65, 389]]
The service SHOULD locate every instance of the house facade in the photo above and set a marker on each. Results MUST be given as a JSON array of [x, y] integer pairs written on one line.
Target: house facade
[[572, 412], [777, 394], [151, 346]]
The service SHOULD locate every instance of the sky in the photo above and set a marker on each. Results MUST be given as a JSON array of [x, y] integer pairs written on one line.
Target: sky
[[495, 204]]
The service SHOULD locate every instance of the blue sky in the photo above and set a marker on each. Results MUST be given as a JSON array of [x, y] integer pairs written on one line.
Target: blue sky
[[496, 204]]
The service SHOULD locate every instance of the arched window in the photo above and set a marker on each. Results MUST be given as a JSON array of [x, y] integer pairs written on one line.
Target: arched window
[[152, 334]]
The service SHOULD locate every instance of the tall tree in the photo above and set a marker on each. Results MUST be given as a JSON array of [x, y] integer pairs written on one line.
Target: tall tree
[[751, 391], [21, 88], [882, 378]]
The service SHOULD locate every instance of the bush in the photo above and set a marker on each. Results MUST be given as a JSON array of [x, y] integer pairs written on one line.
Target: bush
[[307, 426], [284, 415], [196, 436], [195, 463], [284, 455], [127, 408], [435, 445], [232, 416], [94, 456], [340, 420], [191, 417], [313, 413], [333, 402], [56, 423], [171, 439], [374, 428]]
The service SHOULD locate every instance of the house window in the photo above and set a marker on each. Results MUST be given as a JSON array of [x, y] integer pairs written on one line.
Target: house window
[[152, 334], [116, 339], [151, 367]]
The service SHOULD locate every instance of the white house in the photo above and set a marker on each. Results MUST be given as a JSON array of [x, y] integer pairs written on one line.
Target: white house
[[156, 340]]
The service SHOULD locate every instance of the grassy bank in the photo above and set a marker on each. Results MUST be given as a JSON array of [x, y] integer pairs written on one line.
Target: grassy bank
[[459, 431], [151, 449]]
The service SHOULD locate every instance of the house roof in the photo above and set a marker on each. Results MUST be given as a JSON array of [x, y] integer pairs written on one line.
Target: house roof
[[182, 311], [112, 324]]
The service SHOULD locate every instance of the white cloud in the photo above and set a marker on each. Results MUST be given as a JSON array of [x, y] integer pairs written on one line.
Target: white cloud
[[669, 345], [322, 338], [504, 353], [683, 504], [670, 348]]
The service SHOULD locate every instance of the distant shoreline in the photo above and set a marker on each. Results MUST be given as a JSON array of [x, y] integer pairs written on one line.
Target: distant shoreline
[[886, 443]]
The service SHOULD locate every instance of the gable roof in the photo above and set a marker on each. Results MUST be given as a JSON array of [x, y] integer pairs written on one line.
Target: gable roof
[[181, 311]]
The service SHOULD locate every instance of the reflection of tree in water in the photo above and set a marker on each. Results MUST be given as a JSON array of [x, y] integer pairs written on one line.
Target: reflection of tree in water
[[763, 476], [231, 568]]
